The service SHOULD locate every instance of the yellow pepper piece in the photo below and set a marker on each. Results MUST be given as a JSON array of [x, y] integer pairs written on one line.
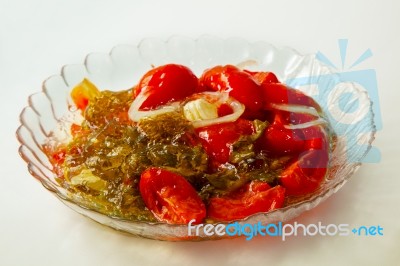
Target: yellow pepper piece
[[84, 92]]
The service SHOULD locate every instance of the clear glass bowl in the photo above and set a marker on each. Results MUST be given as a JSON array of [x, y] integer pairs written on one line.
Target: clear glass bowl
[[125, 64]]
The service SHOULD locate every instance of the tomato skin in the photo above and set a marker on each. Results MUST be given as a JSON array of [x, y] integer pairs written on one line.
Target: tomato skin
[[254, 197], [224, 109], [170, 197], [278, 93], [238, 83], [218, 139], [166, 84], [213, 78], [316, 138], [263, 77], [298, 118], [279, 140], [305, 174]]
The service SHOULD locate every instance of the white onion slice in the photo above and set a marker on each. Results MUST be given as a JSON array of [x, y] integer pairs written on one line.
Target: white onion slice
[[295, 108], [136, 115], [316, 122], [300, 109], [216, 97], [237, 108]]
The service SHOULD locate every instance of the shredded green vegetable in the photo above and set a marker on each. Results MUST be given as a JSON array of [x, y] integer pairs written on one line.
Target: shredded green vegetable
[[105, 159]]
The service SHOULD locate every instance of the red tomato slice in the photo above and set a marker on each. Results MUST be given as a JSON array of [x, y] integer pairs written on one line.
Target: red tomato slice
[[305, 174], [166, 84], [218, 139], [238, 83], [170, 197], [278, 93], [254, 197], [316, 138], [279, 140], [294, 118], [224, 109]]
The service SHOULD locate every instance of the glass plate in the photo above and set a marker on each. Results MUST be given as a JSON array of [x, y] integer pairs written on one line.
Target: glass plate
[[125, 64]]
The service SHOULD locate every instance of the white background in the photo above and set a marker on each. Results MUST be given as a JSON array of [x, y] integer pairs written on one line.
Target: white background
[[38, 37]]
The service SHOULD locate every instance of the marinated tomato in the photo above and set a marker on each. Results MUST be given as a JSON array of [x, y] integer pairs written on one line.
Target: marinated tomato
[[239, 84], [165, 84], [252, 198], [170, 197]]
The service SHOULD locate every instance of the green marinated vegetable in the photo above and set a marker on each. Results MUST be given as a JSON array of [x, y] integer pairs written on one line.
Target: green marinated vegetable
[[104, 161]]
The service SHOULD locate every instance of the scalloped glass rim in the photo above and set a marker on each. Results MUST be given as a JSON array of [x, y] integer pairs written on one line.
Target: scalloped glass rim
[[122, 68]]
